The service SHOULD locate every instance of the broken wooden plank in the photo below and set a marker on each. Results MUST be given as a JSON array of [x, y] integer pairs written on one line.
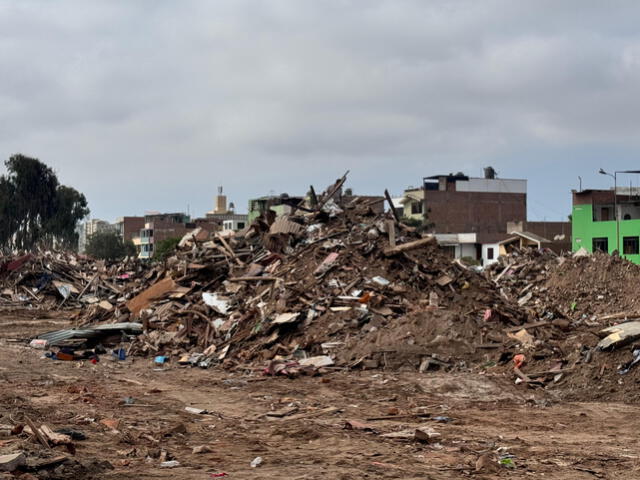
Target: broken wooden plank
[[36, 432], [331, 191], [542, 323], [54, 438], [317, 413], [619, 335], [154, 292], [501, 274], [230, 250], [405, 247], [391, 205], [391, 231], [620, 316], [253, 279]]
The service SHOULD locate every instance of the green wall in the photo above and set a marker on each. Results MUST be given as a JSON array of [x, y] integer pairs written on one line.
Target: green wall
[[256, 210], [584, 230]]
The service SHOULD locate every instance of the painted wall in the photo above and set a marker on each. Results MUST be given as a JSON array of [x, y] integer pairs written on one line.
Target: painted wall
[[485, 253], [498, 185], [467, 250], [584, 230], [407, 213]]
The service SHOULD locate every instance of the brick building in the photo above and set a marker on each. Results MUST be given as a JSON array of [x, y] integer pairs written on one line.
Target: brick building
[[478, 217], [129, 227], [462, 204]]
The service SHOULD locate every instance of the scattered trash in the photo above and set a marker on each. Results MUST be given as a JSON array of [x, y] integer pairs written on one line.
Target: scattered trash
[[441, 419], [201, 449], [219, 303], [196, 411], [256, 462], [318, 362], [380, 281], [518, 360], [619, 335], [626, 368], [38, 343]]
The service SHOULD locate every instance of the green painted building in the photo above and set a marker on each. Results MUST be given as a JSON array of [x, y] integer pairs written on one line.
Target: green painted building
[[281, 205], [603, 222]]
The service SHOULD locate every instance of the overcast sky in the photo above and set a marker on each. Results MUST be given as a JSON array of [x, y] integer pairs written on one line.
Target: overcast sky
[[151, 104]]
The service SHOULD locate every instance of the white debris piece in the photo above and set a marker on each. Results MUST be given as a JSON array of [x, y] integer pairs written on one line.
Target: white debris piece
[[319, 361], [221, 304]]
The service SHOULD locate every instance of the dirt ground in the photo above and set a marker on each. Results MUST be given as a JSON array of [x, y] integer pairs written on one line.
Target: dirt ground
[[486, 416]]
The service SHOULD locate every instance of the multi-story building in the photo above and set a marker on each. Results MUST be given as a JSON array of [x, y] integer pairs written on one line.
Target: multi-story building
[[458, 203], [89, 228], [225, 216], [481, 218], [159, 227], [129, 227], [608, 221], [162, 226], [279, 204], [411, 204]]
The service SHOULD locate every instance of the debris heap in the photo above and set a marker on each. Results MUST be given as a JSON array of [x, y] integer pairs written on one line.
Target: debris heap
[[53, 280], [337, 282]]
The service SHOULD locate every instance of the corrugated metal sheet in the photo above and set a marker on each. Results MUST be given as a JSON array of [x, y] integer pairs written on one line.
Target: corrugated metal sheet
[[283, 225], [58, 336]]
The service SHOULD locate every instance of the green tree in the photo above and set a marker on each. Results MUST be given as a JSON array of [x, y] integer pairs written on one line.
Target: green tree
[[106, 245], [165, 248], [35, 208], [70, 208], [130, 249]]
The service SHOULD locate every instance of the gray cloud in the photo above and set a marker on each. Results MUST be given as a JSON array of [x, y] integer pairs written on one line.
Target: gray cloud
[[151, 104]]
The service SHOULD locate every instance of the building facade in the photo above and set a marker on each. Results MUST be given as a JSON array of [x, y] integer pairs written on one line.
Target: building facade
[[159, 227], [129, 227], [413, 204], [224, 216], [89, 228], [606, 221], [483, 218], [462, 204], [279, 204]]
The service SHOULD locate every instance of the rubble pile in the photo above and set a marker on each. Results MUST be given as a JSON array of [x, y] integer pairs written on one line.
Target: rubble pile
[[49, 280], [597, 284], [585, 341], [522, 276], [577, 286], [335, 284]]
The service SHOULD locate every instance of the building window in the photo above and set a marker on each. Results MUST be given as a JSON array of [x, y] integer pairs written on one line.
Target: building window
[[601, 243], [630, 245], [449, 251], [416, 207], [240, 225], [490, 253]]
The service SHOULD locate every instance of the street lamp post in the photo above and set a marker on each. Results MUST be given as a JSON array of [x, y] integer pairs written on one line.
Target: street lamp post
[[615, 199]]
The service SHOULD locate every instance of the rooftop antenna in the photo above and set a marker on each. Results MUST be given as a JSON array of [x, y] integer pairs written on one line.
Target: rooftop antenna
[[580, 180]]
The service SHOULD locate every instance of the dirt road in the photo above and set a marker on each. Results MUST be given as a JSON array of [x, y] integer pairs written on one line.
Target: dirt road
[[485, 416]]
